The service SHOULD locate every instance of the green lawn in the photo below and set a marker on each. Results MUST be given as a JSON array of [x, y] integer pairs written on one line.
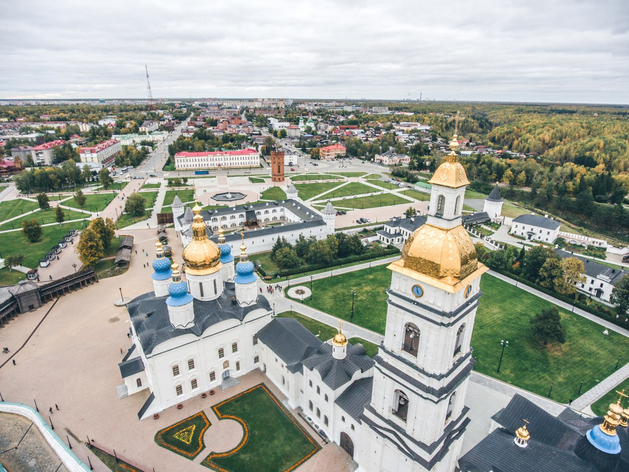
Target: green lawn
[[383, 184], [15, 243], [421, 196], [314, 177], [474, 195], [256, 180], [10, 277], [44, 217], [267, 263], [273, 193], [372, 176], [274, 440], [351, 174], [308, 191], [185, 437], [150, 198], [185, 195], [353, 188], [504, 313], [93, 202], [145, 186], [601, 406], [511, 211], [372, 201], [127, 220], [110, 461], [13, 208]]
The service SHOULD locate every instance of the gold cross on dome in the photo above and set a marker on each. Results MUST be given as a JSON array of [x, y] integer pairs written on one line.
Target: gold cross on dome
[[621, 394], [526, 421]]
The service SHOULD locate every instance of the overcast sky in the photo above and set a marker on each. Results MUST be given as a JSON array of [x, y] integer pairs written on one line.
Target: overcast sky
[[530, 50]]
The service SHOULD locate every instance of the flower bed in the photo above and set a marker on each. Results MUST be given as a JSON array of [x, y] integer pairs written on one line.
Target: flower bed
[[185, 437]]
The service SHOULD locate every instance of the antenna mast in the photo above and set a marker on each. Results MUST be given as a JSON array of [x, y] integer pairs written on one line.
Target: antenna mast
[[148, 88]]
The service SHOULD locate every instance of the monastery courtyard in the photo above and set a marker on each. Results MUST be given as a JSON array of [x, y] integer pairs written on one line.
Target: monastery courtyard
[[72, 361]]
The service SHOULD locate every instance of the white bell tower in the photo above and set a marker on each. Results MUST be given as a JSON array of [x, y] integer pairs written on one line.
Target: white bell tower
[[416, 418]]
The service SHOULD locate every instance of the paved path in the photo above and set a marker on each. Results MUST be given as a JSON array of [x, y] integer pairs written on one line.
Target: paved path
[[564, 305], [597, 392]]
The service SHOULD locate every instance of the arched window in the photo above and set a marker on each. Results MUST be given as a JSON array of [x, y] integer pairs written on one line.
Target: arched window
[[400, 405], [138, 382], [441, 203], [450, 406], [325, 420], [457, 210], [459, 339], [411, 339]]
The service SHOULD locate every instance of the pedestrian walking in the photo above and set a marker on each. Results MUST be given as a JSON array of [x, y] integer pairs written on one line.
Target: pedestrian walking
[[57, 407], [120, 350], [14, 363], [50, 410]]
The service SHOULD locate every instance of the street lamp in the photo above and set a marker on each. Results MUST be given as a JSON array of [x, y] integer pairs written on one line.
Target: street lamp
[[351, 316], [312, 293], [503, 344], [580, 386], [74, 265]]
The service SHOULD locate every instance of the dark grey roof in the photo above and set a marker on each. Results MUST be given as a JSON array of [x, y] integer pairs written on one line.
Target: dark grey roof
[[290, 340], [329, 209], [337, 372], [149, 315], [131, 366], [176, 202], [494, 196], [187, 217], [23, 286], [539, 221], [271, 230], [475, 218], [594, 269], [497, 452], [356, 397], [410, 224], [300, 210], [126, 241]]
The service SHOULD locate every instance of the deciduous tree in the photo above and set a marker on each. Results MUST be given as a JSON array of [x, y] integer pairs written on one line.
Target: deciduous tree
[[31, 230], [43, 201], [90, 247], [80, 198], [105, 178], [135, 205], [13, 260], [60, 216], [620, 295], [546, 326]]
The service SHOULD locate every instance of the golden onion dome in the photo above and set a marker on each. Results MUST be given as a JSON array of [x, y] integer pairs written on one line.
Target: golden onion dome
[[440, 253], [339, 338], [523, 432], [451, 172], [201, 256]]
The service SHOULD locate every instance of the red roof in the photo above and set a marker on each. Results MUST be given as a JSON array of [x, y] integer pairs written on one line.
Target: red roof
[[217, 153], [50, 145], [333, 147], [100, 146]]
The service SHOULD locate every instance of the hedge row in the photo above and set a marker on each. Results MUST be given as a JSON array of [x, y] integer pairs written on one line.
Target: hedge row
[[389, 251], [595, 308]]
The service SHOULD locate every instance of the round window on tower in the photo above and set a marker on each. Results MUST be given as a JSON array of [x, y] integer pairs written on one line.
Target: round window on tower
[[468, 290], [418, 291]]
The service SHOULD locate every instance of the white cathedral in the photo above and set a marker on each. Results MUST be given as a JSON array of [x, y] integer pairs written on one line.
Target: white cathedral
[[401, 411]]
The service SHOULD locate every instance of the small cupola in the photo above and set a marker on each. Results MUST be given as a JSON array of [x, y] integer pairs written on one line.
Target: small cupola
[[522, 436], [339, 345]]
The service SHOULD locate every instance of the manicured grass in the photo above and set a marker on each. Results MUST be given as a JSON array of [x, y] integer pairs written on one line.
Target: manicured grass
[[145, 186], [504, 313], [572, 229], [274, 440], [315, 177], [44, 217], [150, 198], [110, 461], [10, 277], [473, 194], [321, 330], [273, 193], [383, 184], [372, 201], [127, 220], [13, 208], [185, 195], [351, 174], [601, 406], [511, 211], [422, 197], [372, 176], [333, 295], [185, 437], [256, 180], [353, 188], [308, 191], [93, 202], [267, 263], [15, 243]]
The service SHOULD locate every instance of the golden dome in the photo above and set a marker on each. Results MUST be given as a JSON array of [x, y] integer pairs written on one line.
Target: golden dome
[[339, 339], [523, 433], [201, 256], [451, 172], [440, 253]]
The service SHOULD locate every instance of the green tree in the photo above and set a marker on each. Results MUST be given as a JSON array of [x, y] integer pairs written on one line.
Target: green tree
[[280, 243], [90, 247], [520, 180], [410, 212], [104, 231], [573, 273], [105, 178], [286, 258], [534, 260], [551, 273], [507, 177], [80, 198], [546, 326], [42, 200], [620, 295], [13, 260], [60, 216], [135, 205], [302, 246], [31, 230], [320, 253]]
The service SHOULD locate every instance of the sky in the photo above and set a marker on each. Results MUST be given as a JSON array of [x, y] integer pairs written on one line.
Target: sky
[[569, 51]]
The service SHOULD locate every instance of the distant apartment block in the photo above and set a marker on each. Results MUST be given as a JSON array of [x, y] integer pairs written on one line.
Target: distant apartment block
[[217, 159], [149, 126], [44, 153], [103, 153], [132, 139], [332, 152]]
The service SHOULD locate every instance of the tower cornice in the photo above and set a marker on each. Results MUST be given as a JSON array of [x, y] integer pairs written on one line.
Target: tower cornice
[[447, 284]]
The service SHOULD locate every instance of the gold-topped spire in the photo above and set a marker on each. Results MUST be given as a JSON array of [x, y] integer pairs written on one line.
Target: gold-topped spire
[[158, 249], [176, 275], [221, 236], [623, 421], [451, 173], [522, 432], [243, 249], [612, 419], [339, 339]]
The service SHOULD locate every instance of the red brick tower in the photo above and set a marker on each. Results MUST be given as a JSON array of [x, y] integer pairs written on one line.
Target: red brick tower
[[277, 166]]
